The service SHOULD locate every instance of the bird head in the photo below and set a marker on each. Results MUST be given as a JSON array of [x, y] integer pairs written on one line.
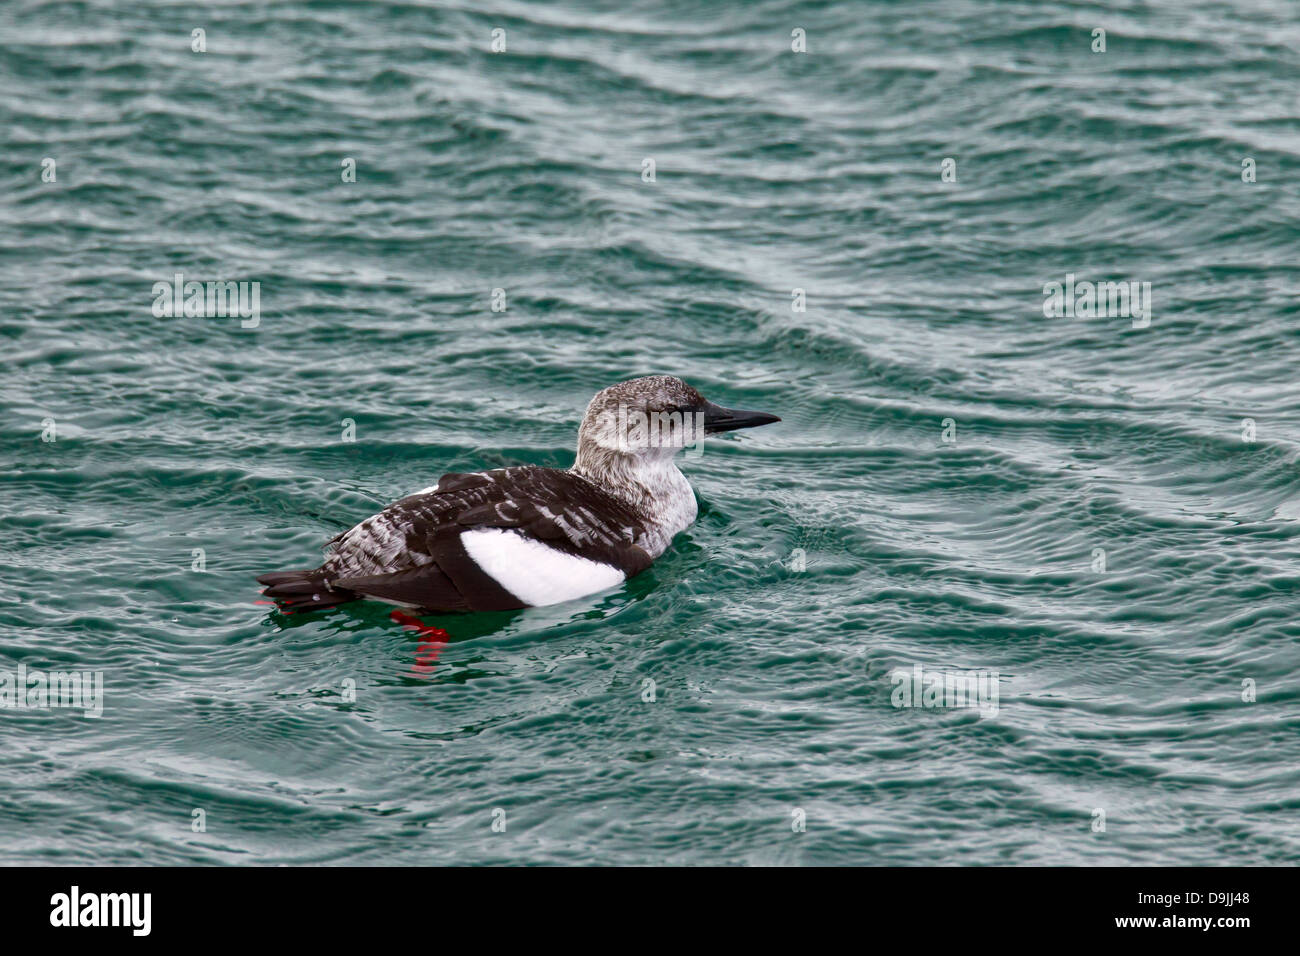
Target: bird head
[[655, 417]]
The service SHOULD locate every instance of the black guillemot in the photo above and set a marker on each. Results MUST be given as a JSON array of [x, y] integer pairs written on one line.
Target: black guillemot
[[528, 536]]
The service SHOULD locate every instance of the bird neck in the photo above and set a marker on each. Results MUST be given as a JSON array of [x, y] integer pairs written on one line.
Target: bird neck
[[642, 476], [651, 483]]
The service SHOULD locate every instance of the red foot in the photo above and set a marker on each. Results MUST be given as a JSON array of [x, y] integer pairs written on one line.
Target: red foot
[[427, 651], [276, 605]]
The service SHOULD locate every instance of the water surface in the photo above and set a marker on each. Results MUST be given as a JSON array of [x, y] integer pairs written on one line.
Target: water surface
[[1120, 690]]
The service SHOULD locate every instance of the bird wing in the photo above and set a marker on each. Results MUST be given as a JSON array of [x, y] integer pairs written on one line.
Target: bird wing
[[412, 551]]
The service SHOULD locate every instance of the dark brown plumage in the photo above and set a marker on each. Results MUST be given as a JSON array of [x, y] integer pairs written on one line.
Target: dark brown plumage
[[411, 552]]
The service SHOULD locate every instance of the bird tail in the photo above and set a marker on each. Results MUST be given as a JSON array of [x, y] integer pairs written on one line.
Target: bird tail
[[295, 591]]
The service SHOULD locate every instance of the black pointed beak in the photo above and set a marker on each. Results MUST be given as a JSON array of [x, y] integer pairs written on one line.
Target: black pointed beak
[[719, 419]]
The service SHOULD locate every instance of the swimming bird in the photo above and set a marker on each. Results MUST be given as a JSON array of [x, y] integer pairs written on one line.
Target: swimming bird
[[528, 536]]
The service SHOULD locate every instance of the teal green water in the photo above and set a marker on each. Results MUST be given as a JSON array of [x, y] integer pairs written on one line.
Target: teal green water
[[1119, 690]]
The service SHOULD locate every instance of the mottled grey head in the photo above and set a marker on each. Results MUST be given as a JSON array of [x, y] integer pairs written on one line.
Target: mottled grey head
[[653, 418]]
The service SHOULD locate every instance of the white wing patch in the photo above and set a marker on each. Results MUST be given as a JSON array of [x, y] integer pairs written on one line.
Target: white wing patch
[[534, 572]]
